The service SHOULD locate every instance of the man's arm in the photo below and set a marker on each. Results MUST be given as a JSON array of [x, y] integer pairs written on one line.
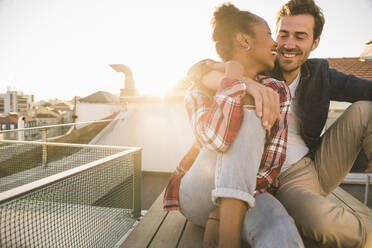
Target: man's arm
[[349, 88]]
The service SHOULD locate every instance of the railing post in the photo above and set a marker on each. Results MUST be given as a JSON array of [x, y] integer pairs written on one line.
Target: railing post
[[366, 192], [137, 178], [44, 157]]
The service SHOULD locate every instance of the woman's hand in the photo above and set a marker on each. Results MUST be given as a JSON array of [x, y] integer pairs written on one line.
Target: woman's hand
[[266, 101]]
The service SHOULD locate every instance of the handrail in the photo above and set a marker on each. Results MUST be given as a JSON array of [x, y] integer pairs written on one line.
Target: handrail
[[336, 110], [67, 144], [23, 189], [360, 178], [57, 125]]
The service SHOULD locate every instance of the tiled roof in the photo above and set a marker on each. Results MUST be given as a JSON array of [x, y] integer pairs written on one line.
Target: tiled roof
[[62, 104], [8, 120], [101, 97], [45, 115], [14, 118], [354, 66]]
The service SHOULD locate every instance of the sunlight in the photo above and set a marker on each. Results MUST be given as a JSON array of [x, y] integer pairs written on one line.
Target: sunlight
[[62, 48]]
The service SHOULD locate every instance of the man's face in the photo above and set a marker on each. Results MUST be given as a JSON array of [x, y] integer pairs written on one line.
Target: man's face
[[295, 38]]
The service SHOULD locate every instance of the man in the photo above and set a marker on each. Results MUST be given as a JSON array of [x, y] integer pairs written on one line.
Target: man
[[316, 164]]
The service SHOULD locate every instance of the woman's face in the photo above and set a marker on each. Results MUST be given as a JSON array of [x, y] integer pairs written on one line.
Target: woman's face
[[263, 48]]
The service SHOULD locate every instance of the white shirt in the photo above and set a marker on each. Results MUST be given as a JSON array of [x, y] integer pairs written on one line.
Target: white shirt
[[296, 147]]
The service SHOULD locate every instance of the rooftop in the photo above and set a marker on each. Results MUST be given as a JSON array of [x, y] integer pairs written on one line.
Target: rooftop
[[354, 66], [101, 97], [13, 118]]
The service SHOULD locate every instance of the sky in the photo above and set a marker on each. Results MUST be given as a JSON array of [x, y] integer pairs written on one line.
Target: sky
[[63, 48]]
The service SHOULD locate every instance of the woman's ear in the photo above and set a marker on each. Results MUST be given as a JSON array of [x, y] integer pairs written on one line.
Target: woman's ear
[[244, 40]]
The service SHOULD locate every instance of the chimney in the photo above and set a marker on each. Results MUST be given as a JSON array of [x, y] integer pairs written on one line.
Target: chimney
[[367, 53]]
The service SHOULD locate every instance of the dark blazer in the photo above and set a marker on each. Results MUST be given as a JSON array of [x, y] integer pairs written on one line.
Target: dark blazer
[[318, 85]]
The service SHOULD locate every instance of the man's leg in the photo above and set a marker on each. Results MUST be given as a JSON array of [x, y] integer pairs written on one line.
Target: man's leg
[[342, 143], [305, 185], [316, 217]]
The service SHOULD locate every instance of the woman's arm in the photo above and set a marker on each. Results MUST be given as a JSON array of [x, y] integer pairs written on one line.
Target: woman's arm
[[265, 99], [216, 119]]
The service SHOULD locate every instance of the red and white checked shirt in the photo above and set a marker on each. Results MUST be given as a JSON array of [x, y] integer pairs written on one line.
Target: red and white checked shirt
[[216, 119]]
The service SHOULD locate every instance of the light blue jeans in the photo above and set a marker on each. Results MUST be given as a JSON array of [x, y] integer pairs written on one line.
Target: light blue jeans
[[233, 174]]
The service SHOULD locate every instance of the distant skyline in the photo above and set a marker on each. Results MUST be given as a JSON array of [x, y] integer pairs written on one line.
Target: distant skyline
[[61, 49]]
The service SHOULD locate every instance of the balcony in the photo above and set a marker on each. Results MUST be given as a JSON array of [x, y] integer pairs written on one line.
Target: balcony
[[67, 195]]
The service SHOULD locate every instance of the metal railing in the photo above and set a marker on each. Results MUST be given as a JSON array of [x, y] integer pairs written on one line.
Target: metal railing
[[360, 179], [84, 196], [48, 132]]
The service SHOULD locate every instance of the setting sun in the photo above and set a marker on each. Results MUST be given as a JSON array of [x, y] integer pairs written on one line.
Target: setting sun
[[63, 48]]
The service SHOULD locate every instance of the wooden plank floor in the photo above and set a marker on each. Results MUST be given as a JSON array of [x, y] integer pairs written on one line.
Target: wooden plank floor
[[170, 229]]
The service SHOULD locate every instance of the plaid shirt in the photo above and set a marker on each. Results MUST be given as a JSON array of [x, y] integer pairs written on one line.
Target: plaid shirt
[[216, 119]]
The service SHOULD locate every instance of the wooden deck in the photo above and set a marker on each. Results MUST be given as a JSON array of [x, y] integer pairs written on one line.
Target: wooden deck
[[171, 229]]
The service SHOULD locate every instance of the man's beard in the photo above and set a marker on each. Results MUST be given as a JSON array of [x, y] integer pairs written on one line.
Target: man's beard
[[288, 70]]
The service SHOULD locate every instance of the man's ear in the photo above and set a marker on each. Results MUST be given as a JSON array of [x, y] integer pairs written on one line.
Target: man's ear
[[315, 43]]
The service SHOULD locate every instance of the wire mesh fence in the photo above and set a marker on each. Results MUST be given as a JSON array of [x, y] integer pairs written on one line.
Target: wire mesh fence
[[27, 162], [88, 196]]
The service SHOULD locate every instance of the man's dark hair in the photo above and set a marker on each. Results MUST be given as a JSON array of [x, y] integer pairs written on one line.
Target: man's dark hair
[[299, 7]]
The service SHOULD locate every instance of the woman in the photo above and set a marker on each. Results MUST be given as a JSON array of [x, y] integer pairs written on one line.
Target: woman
[[234, 159]]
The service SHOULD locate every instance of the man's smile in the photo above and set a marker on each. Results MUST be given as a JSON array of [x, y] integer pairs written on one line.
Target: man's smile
[[289, 54]]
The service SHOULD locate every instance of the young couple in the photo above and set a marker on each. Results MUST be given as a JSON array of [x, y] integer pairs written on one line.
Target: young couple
[[261, 168]]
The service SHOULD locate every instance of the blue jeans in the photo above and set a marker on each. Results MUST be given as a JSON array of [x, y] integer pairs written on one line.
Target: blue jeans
[[233, 174]]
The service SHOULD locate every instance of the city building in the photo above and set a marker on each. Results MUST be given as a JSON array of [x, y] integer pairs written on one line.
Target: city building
[[97, 106], [48, 116], [14, 121], [17, 102], [66, 111]]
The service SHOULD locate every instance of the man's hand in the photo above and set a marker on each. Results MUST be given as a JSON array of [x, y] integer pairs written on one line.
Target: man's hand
[[212, 79], [233, 69], [369, 167], [199, 70]]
